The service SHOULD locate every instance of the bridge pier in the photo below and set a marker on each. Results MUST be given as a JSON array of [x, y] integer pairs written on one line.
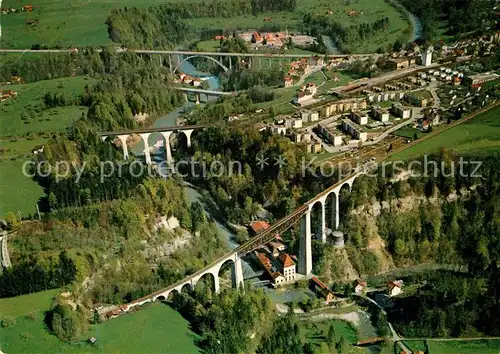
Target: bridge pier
[[238, 273], [170, 63], [185, 97], [305, 251], [230, 63], [147, 153], [188, 136], [168, 152], [123, 139], [323, 222], [197, 98]]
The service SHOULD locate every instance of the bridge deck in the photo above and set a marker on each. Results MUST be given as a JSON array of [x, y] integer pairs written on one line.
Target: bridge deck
[[151, 130]]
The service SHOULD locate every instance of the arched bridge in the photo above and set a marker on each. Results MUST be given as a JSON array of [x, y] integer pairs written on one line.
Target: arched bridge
[[302, 213], [218, 62]]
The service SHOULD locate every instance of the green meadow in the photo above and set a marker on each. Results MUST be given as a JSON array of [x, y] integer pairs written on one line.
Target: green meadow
[[82, 22], [481, 134], [154, 329]]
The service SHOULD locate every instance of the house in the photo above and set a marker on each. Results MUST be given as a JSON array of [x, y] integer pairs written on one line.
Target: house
[[113, 313], [219, 38], [288, 81], [359, 287], [28, 8], [258, 226], [394, 287], [321, 289], [400, 63], [314, 147], [92, 340], [196, 82], [416, 100], [278, 245], [288, 267], [400, 111]]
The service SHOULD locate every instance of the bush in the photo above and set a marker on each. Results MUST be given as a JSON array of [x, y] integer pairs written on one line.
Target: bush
[[8, 322]]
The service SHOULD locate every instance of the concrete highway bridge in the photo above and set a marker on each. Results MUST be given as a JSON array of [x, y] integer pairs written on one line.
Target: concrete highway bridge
[[302, 214], [199, 92]]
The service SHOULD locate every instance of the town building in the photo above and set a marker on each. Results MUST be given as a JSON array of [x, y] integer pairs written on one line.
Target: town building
[[354, 130], [394, 287], [400, 63], [257, 227], [380, 114], [359, 287], [301, 137], [321, 289], [293, 123], [314, 147], [480, 79], [278, 129], [276, 276], [288, 81], [416, 100], [344, 105], [332, 135], [427, 56], [309, 116], [359, 117], [401, 111], [288, 267]]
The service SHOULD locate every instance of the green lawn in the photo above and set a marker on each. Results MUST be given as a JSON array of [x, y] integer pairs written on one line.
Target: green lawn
[[409, 133], [17, 192], [23, 305], [28, 104], [82, 22], [465, 347], [155, 329], [21, 147], [479, 135]]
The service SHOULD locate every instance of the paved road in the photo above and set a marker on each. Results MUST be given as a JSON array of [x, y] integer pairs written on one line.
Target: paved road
[[5, 251]]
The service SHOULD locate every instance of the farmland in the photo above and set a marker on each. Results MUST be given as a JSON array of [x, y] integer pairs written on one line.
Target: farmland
[[29, 334], [82, 23], [479, 135], [27, 112]]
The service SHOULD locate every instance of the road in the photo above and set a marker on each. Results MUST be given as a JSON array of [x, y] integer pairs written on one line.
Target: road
[[5, 251]]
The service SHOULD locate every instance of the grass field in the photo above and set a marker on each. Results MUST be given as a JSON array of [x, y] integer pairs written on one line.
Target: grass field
[[465, 347], [21, 147], [155, 329], [12, 181], [29, 104], [409, 133], [82, 22], [479, 135]]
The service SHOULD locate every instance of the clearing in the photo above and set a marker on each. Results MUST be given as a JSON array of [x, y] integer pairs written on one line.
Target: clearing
[[162, 330], [12, 180], [481, 134], [27, 113]]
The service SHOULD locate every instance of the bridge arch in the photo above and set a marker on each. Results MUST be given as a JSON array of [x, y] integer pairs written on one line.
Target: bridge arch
[[207, 280], [225, 68]]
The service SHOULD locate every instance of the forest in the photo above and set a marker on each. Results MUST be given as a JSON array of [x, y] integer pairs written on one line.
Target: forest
[[344, 37], [459, 16], [163, 26]]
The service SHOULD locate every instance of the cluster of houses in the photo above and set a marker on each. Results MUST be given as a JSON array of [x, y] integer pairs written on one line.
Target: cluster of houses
[[276, 263], [6, 94], [187, 79], [25, 8], [394, 287], [276, 40]]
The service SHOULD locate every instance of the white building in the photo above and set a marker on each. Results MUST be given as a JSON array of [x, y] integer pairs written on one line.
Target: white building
[[359, 117], [278, 129], [400, 111], [394, 287], [310, 116], [288, 267], [354, 130], [293, 123], [380, 114], [427, 56]]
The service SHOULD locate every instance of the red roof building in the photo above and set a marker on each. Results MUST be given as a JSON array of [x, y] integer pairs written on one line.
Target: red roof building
[[259, 226]]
